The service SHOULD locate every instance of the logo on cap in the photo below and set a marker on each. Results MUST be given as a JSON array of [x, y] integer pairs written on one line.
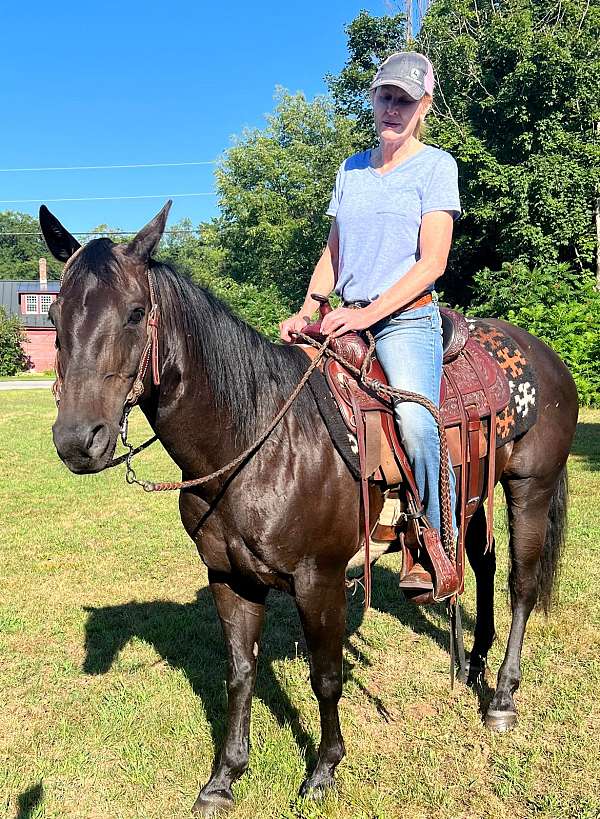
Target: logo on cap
[[415, 74]]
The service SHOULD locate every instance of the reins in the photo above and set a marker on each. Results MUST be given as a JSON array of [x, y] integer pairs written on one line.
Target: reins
[[150, 355]]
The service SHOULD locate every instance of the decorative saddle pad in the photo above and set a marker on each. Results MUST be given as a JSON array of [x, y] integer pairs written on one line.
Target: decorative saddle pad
[[521, 412]]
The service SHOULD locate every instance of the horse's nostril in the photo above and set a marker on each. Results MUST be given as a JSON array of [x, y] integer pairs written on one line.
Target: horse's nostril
[[97, 440]]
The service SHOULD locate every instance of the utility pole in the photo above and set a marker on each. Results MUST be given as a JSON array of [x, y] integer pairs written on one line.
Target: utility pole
[[597, 216]]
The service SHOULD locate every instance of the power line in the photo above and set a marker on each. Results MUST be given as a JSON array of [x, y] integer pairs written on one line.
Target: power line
[[103, 198], [112, 167], [101, 232]]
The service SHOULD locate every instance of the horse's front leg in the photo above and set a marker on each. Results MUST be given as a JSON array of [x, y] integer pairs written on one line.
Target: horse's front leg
[[321, 602], [241, 609]]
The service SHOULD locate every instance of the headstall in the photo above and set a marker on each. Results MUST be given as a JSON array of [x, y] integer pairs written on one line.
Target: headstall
[[150, 354]]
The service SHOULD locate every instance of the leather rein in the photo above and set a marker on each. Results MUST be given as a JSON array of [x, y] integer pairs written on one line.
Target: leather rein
[[150, 355]]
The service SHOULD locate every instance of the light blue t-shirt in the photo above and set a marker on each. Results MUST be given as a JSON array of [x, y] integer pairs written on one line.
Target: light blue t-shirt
[[379, 217]]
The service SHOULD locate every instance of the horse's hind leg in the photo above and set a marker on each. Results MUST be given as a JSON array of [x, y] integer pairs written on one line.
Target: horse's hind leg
[[322, 606], [241, 612], [484, 567], [528, 502]]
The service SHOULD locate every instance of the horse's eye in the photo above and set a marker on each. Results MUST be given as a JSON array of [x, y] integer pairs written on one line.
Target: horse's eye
[[136, 315]]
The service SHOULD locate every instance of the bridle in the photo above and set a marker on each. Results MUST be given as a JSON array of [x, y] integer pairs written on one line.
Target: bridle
[[150, 356]]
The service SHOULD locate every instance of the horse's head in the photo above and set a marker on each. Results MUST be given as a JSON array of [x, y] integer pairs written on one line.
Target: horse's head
[[100, 316]]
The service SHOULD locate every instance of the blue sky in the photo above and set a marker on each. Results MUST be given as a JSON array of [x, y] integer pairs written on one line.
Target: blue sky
[[137, 82]]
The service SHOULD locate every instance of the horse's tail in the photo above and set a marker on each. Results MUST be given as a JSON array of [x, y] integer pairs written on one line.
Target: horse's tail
[[554, 543]]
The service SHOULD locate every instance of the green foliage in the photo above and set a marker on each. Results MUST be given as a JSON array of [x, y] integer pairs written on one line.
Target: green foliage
[[370, 41], [12, 358], [555, 304], [517, 105], [203, 260], [19, 254], [274, 186]]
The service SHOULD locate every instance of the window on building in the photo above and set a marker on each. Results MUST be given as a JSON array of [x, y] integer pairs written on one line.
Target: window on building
[[31, 303], [45, 301]]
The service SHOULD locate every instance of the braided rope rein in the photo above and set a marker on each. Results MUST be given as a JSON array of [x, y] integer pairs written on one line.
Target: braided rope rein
[[383, 390], [167, 486]]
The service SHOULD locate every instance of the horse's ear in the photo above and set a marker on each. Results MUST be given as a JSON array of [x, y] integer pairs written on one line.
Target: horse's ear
[[60, 242], [146, 241]]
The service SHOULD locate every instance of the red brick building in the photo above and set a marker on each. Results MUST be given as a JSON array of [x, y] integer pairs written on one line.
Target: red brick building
[[30, 301]]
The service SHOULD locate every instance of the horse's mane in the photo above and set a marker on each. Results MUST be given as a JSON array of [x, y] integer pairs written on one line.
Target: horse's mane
[[249, 376]]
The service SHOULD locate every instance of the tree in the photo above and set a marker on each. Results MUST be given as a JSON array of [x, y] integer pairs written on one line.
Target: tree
[[199, 254], [274, 186], [370, 41], [517, 105], [21, 247], [12, 357]]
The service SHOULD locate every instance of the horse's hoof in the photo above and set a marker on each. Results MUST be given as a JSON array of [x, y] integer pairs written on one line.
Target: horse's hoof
[[212, 804], [317, 790], [500, 721]]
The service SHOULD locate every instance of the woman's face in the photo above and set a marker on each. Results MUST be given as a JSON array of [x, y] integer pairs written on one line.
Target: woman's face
[[396, 113]]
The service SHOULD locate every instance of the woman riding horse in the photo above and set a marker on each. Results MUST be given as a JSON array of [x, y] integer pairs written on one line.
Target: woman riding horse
[[393, 209]]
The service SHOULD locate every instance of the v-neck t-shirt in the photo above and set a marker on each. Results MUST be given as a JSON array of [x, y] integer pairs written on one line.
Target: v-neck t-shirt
[[379, 217]]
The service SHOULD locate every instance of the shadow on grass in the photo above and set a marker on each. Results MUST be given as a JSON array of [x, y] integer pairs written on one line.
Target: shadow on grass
[[587, 444], [28, 801], [188, 637]]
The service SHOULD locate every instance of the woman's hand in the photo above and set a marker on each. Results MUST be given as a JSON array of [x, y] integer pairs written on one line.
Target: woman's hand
[[291, 326], [344, 320]]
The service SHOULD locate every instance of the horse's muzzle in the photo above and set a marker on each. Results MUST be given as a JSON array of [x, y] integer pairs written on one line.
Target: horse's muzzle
[[84, 447]]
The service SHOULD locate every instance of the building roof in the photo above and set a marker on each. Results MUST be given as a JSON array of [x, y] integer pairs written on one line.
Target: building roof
[[10, 291]]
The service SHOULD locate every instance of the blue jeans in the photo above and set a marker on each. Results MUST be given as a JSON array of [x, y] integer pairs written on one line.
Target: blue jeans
[[409, 348]]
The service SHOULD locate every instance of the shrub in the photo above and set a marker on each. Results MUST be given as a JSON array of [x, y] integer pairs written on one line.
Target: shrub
[[555, 304], [12, 357]]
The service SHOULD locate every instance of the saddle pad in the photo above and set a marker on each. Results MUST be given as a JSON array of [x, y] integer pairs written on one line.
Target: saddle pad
[[344, 442], [521, 412]]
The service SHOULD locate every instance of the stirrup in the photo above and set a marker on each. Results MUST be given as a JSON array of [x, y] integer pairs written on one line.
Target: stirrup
[[417, 579]]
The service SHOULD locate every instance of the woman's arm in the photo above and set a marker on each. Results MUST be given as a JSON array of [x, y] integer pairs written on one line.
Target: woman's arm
[[434, 246], [322, 282]]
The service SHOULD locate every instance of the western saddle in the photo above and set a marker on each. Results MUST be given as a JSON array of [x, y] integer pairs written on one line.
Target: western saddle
[[474, 389]]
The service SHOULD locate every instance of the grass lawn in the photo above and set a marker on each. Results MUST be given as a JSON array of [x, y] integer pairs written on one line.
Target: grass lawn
[[112, 666], [29, 377]]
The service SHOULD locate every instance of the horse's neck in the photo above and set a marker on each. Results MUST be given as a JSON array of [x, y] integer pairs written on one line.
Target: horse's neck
[[184, 417]]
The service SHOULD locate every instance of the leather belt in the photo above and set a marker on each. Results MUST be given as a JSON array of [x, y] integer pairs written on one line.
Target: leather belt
[[420, 301]]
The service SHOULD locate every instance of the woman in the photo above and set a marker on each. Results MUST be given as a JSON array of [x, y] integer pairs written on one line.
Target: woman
[[393, 209]]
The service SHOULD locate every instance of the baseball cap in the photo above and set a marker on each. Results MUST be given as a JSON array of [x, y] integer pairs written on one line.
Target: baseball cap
[[408, 70]]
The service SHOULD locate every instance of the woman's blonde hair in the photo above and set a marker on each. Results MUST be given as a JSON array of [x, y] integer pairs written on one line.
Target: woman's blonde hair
[[421, 127]]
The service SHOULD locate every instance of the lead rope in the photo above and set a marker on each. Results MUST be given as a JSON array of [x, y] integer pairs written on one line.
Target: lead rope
[[167, 486]]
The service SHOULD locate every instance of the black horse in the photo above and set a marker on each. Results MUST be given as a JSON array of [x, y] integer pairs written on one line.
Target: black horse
[[290, 517]]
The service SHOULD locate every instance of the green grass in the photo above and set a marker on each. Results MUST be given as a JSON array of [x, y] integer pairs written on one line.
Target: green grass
[[48, 376], [112, 666]]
